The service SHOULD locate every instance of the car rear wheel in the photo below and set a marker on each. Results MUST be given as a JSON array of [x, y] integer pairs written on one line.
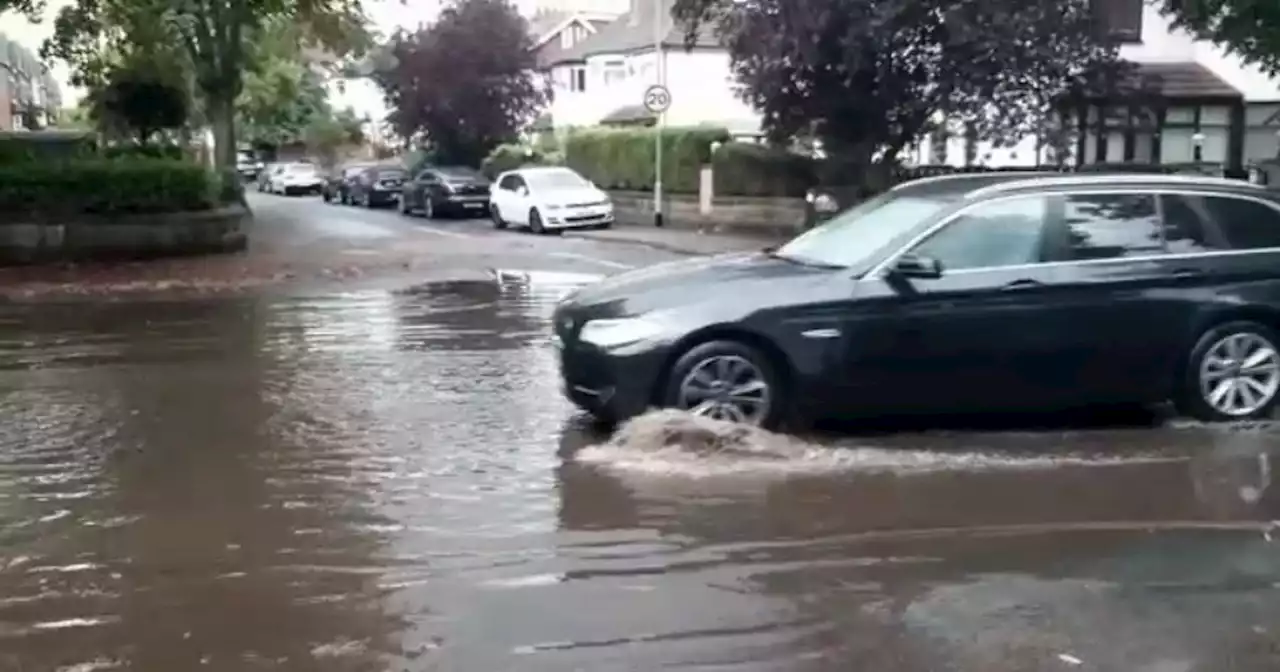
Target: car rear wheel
[[729, 381], [1233, 373]]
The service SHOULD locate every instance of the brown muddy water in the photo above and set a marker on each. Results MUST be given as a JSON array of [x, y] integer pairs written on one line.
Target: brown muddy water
[[391, 481]]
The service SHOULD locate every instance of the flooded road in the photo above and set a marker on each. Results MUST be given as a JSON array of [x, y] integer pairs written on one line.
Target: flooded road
[[391, 481]]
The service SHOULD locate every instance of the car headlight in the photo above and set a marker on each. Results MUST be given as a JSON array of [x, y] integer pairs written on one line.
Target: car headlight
[[614, 333]]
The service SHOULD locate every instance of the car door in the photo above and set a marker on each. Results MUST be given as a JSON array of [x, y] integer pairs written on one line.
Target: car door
[[1127, 298], [516, 208], [982, 335]]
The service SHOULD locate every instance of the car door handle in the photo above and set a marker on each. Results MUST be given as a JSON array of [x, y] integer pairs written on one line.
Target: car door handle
[[1024, 283], [1188, 274]]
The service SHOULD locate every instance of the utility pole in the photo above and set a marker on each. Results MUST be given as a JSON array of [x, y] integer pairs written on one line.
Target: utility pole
[[660, 67]]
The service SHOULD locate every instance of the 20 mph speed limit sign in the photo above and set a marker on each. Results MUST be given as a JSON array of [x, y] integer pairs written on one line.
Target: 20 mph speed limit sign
[[657, 99]]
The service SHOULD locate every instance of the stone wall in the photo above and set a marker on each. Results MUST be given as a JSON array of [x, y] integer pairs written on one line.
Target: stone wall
[[90, 238], [765, 216]]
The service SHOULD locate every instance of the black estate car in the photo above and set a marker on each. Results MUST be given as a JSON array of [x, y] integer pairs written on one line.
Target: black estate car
[[446, 190], [377, 186], [967, 293]]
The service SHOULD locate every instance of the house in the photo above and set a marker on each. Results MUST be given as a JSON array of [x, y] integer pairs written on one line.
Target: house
[[1201, 105], [602, 79], [556, 31], [29, 95]]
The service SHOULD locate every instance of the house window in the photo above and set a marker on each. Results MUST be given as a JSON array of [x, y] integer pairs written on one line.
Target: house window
[[1120, 20], [615, 71], [566, 38], [578, 79]]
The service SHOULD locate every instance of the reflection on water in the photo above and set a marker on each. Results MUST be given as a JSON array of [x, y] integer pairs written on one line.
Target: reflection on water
[[378, 481]]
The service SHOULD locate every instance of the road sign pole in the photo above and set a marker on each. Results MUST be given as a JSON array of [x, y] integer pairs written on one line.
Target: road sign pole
[[660, 69]]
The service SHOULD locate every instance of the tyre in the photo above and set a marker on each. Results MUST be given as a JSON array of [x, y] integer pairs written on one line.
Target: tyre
[[727, 380], [1232, 373], [324, 195], [535, 222], [498, 221], [404, 206], [428, 208]]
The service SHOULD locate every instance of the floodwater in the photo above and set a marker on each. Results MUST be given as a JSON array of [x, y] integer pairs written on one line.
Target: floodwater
[[391, 481]]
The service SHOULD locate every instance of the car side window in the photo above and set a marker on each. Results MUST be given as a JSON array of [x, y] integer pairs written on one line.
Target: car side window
[[508, 183], [1246, 224], [427, 176], [1008, 232], [1112, 226], [1185, 229]]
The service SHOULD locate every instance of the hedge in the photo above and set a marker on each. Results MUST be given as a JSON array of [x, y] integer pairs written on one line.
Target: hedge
[[744, 169], [108, 187], [27, 146], [624, 158]]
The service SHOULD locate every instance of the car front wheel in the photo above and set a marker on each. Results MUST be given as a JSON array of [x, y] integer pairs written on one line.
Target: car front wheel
[[727, 380], [1233, 373]]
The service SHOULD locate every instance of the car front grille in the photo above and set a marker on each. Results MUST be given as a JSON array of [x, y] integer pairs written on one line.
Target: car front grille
[[471, 190]]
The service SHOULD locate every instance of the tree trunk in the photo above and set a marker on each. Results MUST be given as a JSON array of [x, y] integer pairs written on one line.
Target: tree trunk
[[222, 117]]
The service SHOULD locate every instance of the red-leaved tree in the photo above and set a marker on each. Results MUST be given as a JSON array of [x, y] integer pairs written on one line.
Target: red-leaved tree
[[466, 84]]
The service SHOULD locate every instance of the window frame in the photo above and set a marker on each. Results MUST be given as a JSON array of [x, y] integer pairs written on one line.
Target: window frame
[[1052, 215], [1063, 229], [1220, 232], [885, 266]]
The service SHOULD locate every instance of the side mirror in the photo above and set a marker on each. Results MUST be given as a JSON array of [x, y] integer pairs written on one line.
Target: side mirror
[[915, 266], [523, 191]]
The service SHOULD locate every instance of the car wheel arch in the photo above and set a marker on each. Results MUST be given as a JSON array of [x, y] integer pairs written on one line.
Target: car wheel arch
[[782, 364]]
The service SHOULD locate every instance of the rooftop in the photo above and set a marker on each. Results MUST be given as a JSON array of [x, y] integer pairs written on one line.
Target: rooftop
[[635, 31]]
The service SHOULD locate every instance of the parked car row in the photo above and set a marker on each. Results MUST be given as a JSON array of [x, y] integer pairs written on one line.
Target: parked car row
[[541, 199]]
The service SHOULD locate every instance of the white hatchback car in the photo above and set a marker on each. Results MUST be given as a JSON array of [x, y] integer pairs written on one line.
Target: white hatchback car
[[548, 199]]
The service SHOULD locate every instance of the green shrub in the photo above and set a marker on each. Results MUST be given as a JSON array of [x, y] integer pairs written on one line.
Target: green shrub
[[107, 187], [743, 169], [511, 156], [172, 152], [23, 147], [624, 158]]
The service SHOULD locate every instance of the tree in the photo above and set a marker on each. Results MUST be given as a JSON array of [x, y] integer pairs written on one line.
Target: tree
[[142, 100], [327, 136], [869, 77], [466, 84], [1246, 28], [214, 37]]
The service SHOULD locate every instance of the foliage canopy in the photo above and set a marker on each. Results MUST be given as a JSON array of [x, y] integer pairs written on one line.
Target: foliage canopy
[[869, 77], [466, 84]]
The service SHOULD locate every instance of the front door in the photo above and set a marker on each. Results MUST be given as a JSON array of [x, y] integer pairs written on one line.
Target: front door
[[983, 336]]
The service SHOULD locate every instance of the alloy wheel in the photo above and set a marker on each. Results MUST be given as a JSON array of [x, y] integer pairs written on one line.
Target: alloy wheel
[[1240, 374], [726, 387], [428, 210]]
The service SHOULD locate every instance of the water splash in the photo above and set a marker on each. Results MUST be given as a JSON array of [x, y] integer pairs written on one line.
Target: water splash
[[670, 442]]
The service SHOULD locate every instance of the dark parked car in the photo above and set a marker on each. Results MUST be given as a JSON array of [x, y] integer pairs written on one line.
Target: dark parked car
[[337, 184], [972, 293], [446, 190], [377, 187]]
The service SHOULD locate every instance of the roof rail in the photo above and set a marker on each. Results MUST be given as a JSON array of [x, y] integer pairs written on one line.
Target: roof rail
[[1102, 178], [956, 176]]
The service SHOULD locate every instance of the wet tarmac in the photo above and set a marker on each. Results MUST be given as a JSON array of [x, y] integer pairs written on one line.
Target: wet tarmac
[[389, 480]]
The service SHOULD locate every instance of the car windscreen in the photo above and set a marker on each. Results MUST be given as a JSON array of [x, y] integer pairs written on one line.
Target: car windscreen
[[854, 236], [555, 179], [391, 175]]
